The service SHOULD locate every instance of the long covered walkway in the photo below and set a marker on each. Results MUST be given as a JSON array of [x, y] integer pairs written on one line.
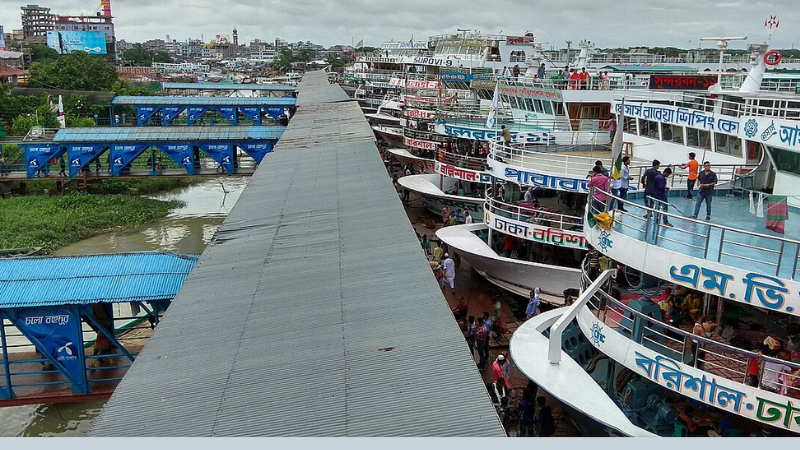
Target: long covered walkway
[[293, 323]]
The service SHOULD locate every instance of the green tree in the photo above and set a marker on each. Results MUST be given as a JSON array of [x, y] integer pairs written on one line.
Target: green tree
[[305, 55], [138, 56], [43, 54], [125, 87], [76, 71], [335, 63], [42, 116], [283, 63], [161, 57]]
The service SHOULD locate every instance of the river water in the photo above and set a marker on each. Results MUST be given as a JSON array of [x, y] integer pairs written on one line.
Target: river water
[[187, 229]]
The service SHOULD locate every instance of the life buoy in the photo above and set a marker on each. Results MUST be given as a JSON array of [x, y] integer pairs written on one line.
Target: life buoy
[[772, 58]]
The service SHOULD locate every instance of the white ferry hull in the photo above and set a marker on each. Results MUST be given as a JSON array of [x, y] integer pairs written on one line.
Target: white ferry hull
[[513, 275]]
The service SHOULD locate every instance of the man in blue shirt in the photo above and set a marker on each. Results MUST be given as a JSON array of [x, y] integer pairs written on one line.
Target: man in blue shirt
[[660, 193], [706, 181], [648, 180]]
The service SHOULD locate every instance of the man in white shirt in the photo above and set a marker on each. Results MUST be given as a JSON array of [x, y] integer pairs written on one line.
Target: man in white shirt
[[449, 267], [467, 217], [620, 187]]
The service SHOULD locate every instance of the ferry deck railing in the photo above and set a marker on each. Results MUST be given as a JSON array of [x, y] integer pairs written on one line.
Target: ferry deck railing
[[462, 161], [704, 240], [426, 135], [553, 159], [527, 213], [703, 353]]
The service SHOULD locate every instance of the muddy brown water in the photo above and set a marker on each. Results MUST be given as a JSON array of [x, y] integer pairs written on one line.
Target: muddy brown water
[[187, 229]]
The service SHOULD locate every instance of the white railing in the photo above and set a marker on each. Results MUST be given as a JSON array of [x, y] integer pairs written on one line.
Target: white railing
[[707, 354], [705, 240], [530, 214], [552, 159]]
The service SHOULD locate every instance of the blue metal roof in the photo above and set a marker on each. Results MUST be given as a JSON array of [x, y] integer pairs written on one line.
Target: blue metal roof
[[167, 134], [113, 278], [229, 86], [203, 101]]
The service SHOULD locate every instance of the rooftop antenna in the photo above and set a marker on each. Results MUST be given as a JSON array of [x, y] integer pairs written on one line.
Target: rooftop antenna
[[722, 44]]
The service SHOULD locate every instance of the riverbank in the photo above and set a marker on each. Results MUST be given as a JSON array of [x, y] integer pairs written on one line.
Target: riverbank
[[36, 220]]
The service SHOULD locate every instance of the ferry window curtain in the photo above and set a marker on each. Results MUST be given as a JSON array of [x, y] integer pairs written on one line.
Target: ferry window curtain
[[729, 144]]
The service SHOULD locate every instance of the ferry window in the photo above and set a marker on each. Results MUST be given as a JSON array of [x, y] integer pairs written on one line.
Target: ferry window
[[698, 138], [629, 125], [548, 107], [529, 104], [728, 144], [648, 128], [559, 111], [787, 161], [539, 106], [671, 133]]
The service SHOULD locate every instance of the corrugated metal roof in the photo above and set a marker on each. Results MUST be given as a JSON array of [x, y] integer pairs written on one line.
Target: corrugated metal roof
[[313, 313], [229, 86], [203, 101], [168, 134], [59, 280]]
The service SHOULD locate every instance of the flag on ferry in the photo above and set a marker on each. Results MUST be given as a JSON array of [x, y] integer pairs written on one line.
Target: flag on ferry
[[616, 146], [493, 108], [61, 120], [360, 43]]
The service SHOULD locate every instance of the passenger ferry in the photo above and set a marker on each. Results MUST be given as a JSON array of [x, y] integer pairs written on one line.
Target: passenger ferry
[[693, 327]]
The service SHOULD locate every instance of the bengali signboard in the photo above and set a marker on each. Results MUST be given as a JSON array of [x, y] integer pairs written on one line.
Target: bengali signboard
[[682, 82], [519, 40], [66, 42], [691, 118], [536, 232]]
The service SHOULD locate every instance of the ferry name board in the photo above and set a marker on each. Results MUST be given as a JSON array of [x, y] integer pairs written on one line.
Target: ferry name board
[[682, 82], [531, 92], [417, 143], [536, 233], [681, 116], [519, 40]]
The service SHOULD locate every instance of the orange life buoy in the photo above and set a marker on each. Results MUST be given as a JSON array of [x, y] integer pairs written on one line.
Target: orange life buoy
[[772, 58]]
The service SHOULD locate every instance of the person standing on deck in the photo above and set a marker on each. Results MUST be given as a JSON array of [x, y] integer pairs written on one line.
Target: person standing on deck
[[707, 180], [612, 130], [467, 217], [660, 194], [506, 136], [449, 267], [694, 168], [540, 71], [529, 197], [648, 181], [599, 195], [620, 186]]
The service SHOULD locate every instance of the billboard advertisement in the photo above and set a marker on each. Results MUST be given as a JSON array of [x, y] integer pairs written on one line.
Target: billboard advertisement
[[66, 42], [2, 39]]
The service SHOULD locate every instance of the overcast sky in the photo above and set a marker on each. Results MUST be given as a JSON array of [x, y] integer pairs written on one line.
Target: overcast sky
[[620, 23]]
